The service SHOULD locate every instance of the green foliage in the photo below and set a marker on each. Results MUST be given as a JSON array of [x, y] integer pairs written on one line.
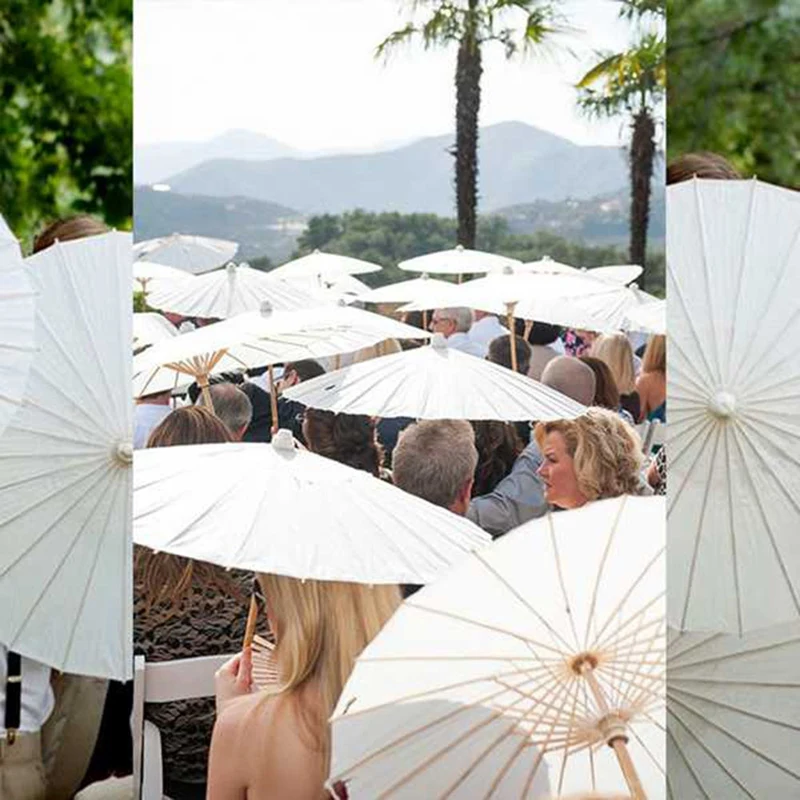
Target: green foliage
[[516, 24], [626, 83], [391, 237], [66, 110], [140, 303], [734, 84]]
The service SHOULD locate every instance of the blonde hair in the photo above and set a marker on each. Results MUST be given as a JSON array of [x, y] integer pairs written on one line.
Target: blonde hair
[[321, 628], [605, 449], [655, 354], [616, 351]]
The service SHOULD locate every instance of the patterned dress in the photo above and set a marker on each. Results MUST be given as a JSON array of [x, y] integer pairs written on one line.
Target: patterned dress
[[206, 623]]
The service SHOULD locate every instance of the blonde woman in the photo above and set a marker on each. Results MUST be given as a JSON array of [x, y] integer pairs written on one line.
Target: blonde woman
[[593, 457], [274, 743], [616, 351], [651, 385]]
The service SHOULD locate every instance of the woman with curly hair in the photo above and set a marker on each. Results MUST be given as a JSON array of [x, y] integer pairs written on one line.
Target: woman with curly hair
[[498, 445], [589, 458], [347, 438]]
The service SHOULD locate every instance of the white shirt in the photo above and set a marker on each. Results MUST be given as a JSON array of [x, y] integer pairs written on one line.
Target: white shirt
[[37, 694], [145, 417], [462, 342], [484, 330]]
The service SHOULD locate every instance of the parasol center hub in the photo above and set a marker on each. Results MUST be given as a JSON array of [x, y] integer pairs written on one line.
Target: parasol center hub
[[283, 441], [614, 729], [582, 662], [722, 405], [123, 453]]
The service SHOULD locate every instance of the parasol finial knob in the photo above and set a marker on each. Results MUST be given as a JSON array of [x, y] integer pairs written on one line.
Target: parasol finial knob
[[230, 268], [124, 453], [439, 341], [722, 405], [265, 309], [283, 441]]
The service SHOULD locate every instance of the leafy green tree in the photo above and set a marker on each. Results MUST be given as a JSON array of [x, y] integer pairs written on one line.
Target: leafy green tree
[[632, 84], [388, 238], [471, 24], [734, 84], [66, 110]]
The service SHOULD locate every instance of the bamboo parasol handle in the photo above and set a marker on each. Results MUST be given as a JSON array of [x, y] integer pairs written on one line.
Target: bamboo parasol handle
[[273, 400], [202, 382], [513, 342], [619, 744], [252, 619]]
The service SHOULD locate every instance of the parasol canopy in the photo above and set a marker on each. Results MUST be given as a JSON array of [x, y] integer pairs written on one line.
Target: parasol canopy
[[458, 261], [732, 714], [193, 254], [146, 274], [274, 508], [523, 661], [65, 476], [149, 328], [434, 382], [323, 267], [17, 315], [733, 388], [258, 339], [418, 289], [233, 290], [648, 317]]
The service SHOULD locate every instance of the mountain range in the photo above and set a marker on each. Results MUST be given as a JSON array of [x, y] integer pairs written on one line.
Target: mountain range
[[518, 164]]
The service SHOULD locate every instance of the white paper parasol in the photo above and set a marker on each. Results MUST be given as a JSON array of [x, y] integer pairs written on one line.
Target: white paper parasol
[[233, 290], [526, 658], [435, 382], [618, 273], [146, 274], [257, 340], [733, 711], [194, 254], [458, 261], [273, 508], [17, 311], [648, 317], [417, 289], [149, 328], [323, 266], [733, 279], [65, 548]]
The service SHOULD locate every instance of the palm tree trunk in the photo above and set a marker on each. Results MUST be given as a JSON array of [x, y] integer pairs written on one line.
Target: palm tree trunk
[[468, 101], [643, 148]]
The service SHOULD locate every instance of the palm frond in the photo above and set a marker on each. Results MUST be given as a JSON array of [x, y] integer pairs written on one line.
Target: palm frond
[[394, 40]]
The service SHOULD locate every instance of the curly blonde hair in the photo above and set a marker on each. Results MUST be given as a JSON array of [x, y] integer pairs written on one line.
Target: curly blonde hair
[[606, 450]]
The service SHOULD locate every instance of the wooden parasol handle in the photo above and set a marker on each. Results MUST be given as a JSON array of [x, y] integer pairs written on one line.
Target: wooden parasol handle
[[273, 400], [202, 382], [252, 619], [619, 743], [510, 319]]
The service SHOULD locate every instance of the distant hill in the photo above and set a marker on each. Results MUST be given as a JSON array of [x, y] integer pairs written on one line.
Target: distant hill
[[153, 163], [518, 164], [597, 221], [261, 228]]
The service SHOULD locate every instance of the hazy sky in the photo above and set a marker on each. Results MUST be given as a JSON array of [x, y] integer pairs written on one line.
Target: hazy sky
[[303, 72]]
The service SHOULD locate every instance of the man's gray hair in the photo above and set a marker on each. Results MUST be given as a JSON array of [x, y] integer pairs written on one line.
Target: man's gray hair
[[231, 405], [434, 459], [461, 316]]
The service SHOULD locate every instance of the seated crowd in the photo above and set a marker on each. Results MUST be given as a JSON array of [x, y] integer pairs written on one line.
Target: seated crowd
[[498, 474]]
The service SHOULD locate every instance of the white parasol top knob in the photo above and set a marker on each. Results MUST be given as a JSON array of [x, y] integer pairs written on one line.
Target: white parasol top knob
[[230, 268], [124, 453], [722, 405], [439, 341], [283, 441], [265, 309]]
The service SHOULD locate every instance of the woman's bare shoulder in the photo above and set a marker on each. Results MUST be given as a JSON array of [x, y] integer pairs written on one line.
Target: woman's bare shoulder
[[266, 733]]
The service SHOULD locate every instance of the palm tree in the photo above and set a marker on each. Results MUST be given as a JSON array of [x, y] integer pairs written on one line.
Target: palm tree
[[632, 83], [471, 24]]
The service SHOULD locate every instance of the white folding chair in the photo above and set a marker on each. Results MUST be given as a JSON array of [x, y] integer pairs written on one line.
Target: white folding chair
[[163, 682]]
